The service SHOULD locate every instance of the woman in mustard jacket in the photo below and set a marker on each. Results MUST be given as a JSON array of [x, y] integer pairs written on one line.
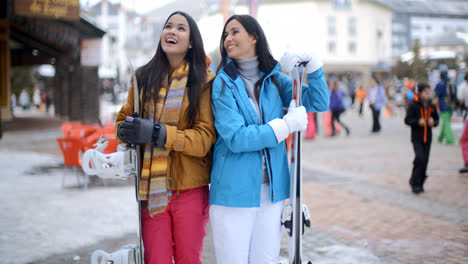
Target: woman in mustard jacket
[[176, 132]]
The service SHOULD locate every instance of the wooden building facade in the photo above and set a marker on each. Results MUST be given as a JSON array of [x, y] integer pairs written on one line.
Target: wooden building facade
[[52, 37]]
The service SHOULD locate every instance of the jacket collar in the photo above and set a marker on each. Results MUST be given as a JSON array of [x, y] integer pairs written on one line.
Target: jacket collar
[[231, 69]]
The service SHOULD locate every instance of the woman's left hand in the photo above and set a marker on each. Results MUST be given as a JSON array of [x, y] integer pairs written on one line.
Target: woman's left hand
[[290, 59], [313, 62], [135, 130]]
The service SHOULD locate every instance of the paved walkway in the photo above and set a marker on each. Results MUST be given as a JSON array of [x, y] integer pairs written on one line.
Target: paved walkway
[[356, 188], [357, 191]]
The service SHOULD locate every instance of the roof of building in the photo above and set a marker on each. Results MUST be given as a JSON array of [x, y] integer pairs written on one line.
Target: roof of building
[[446, 8], [446, 39]]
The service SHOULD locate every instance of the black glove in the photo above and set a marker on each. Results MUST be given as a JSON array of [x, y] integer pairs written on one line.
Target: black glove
[[135, 130]]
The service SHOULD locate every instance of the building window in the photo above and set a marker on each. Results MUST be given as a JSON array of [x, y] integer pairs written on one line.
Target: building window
[[331, 46], [331, 26], [352, 26], [428, 28], [352, 47], [113, 39], [113, 11], [379, 34], [415, 27], [342, 4], [96, 10], [113, 26]]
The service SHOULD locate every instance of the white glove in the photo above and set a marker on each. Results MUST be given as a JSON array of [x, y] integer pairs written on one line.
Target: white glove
[[313, 62], [290, 59], [296, 118]]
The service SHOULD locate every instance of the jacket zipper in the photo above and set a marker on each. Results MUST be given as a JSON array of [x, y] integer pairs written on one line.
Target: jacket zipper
[[267, 155]]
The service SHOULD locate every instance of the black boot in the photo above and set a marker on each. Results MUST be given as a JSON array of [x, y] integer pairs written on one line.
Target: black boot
[[416, 189], [464, 169]]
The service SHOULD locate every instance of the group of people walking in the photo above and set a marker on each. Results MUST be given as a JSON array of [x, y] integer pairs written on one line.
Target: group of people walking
[[228, 130], [375, 95]]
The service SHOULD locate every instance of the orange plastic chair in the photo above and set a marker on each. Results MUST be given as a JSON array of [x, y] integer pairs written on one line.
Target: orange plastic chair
[[67, 126], [82, 131], [311, 126], [71, 147], [107, 133], [112, 147], [327, 119]]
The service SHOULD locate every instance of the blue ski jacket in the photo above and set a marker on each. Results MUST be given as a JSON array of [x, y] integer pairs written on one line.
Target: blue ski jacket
[[442, 95], [236, 176]]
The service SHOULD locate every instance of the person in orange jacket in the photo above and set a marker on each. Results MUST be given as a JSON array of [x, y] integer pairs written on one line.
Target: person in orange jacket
[[360, 96]]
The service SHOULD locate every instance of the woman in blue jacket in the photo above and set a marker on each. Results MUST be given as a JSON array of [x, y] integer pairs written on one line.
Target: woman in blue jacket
[[250, 175]]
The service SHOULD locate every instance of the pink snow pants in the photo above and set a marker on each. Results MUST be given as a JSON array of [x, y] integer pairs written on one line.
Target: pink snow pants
[[179, 231]]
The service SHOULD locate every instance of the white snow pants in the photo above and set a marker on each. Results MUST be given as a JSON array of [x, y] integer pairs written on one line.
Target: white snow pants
[[247, 235]]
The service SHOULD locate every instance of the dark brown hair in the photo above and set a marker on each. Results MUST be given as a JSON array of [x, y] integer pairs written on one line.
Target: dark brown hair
[[153, 73]]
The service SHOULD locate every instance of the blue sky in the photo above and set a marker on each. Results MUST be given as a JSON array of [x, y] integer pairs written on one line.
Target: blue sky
[[141, 6]]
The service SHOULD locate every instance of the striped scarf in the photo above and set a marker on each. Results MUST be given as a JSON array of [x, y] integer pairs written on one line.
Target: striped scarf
[[166, 110]]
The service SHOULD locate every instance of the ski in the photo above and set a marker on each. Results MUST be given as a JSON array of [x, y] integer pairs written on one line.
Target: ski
[[296, 214]]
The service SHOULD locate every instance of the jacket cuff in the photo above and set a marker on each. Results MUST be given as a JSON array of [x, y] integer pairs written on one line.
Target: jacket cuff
[[313, 65], [161, 137], [175, 140], [315, 74], [280, 128]]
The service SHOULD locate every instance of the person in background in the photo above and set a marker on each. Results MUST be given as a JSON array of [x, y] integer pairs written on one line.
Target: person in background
[[421, 116], [443, 101], [24, 99], [250, 175], [360, 96], [352, 84], [336, 108], [176, 132], [463, 91], [13, 102], [409, 96], [37, 98], [462, 94], [377, 99]]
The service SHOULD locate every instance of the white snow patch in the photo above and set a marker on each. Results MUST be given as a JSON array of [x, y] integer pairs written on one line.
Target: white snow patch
[[40, 219]]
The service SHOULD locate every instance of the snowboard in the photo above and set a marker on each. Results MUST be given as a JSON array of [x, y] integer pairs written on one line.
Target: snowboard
[[123, 164], [296, 214], [137, 162]]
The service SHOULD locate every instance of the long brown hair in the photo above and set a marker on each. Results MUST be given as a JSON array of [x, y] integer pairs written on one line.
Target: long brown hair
[[153, 73], [266, 62]]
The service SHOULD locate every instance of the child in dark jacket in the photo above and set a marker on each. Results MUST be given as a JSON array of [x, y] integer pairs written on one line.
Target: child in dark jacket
[[421, 116]]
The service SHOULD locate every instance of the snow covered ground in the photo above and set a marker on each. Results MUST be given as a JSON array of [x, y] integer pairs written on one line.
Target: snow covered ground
[[40, 219]]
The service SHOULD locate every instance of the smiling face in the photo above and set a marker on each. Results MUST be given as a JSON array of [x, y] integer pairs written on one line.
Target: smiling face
[[239, 44], [175, 37]]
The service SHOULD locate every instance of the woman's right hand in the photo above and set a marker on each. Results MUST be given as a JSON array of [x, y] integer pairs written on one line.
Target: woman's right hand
[[135, 130], [296, 118]]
